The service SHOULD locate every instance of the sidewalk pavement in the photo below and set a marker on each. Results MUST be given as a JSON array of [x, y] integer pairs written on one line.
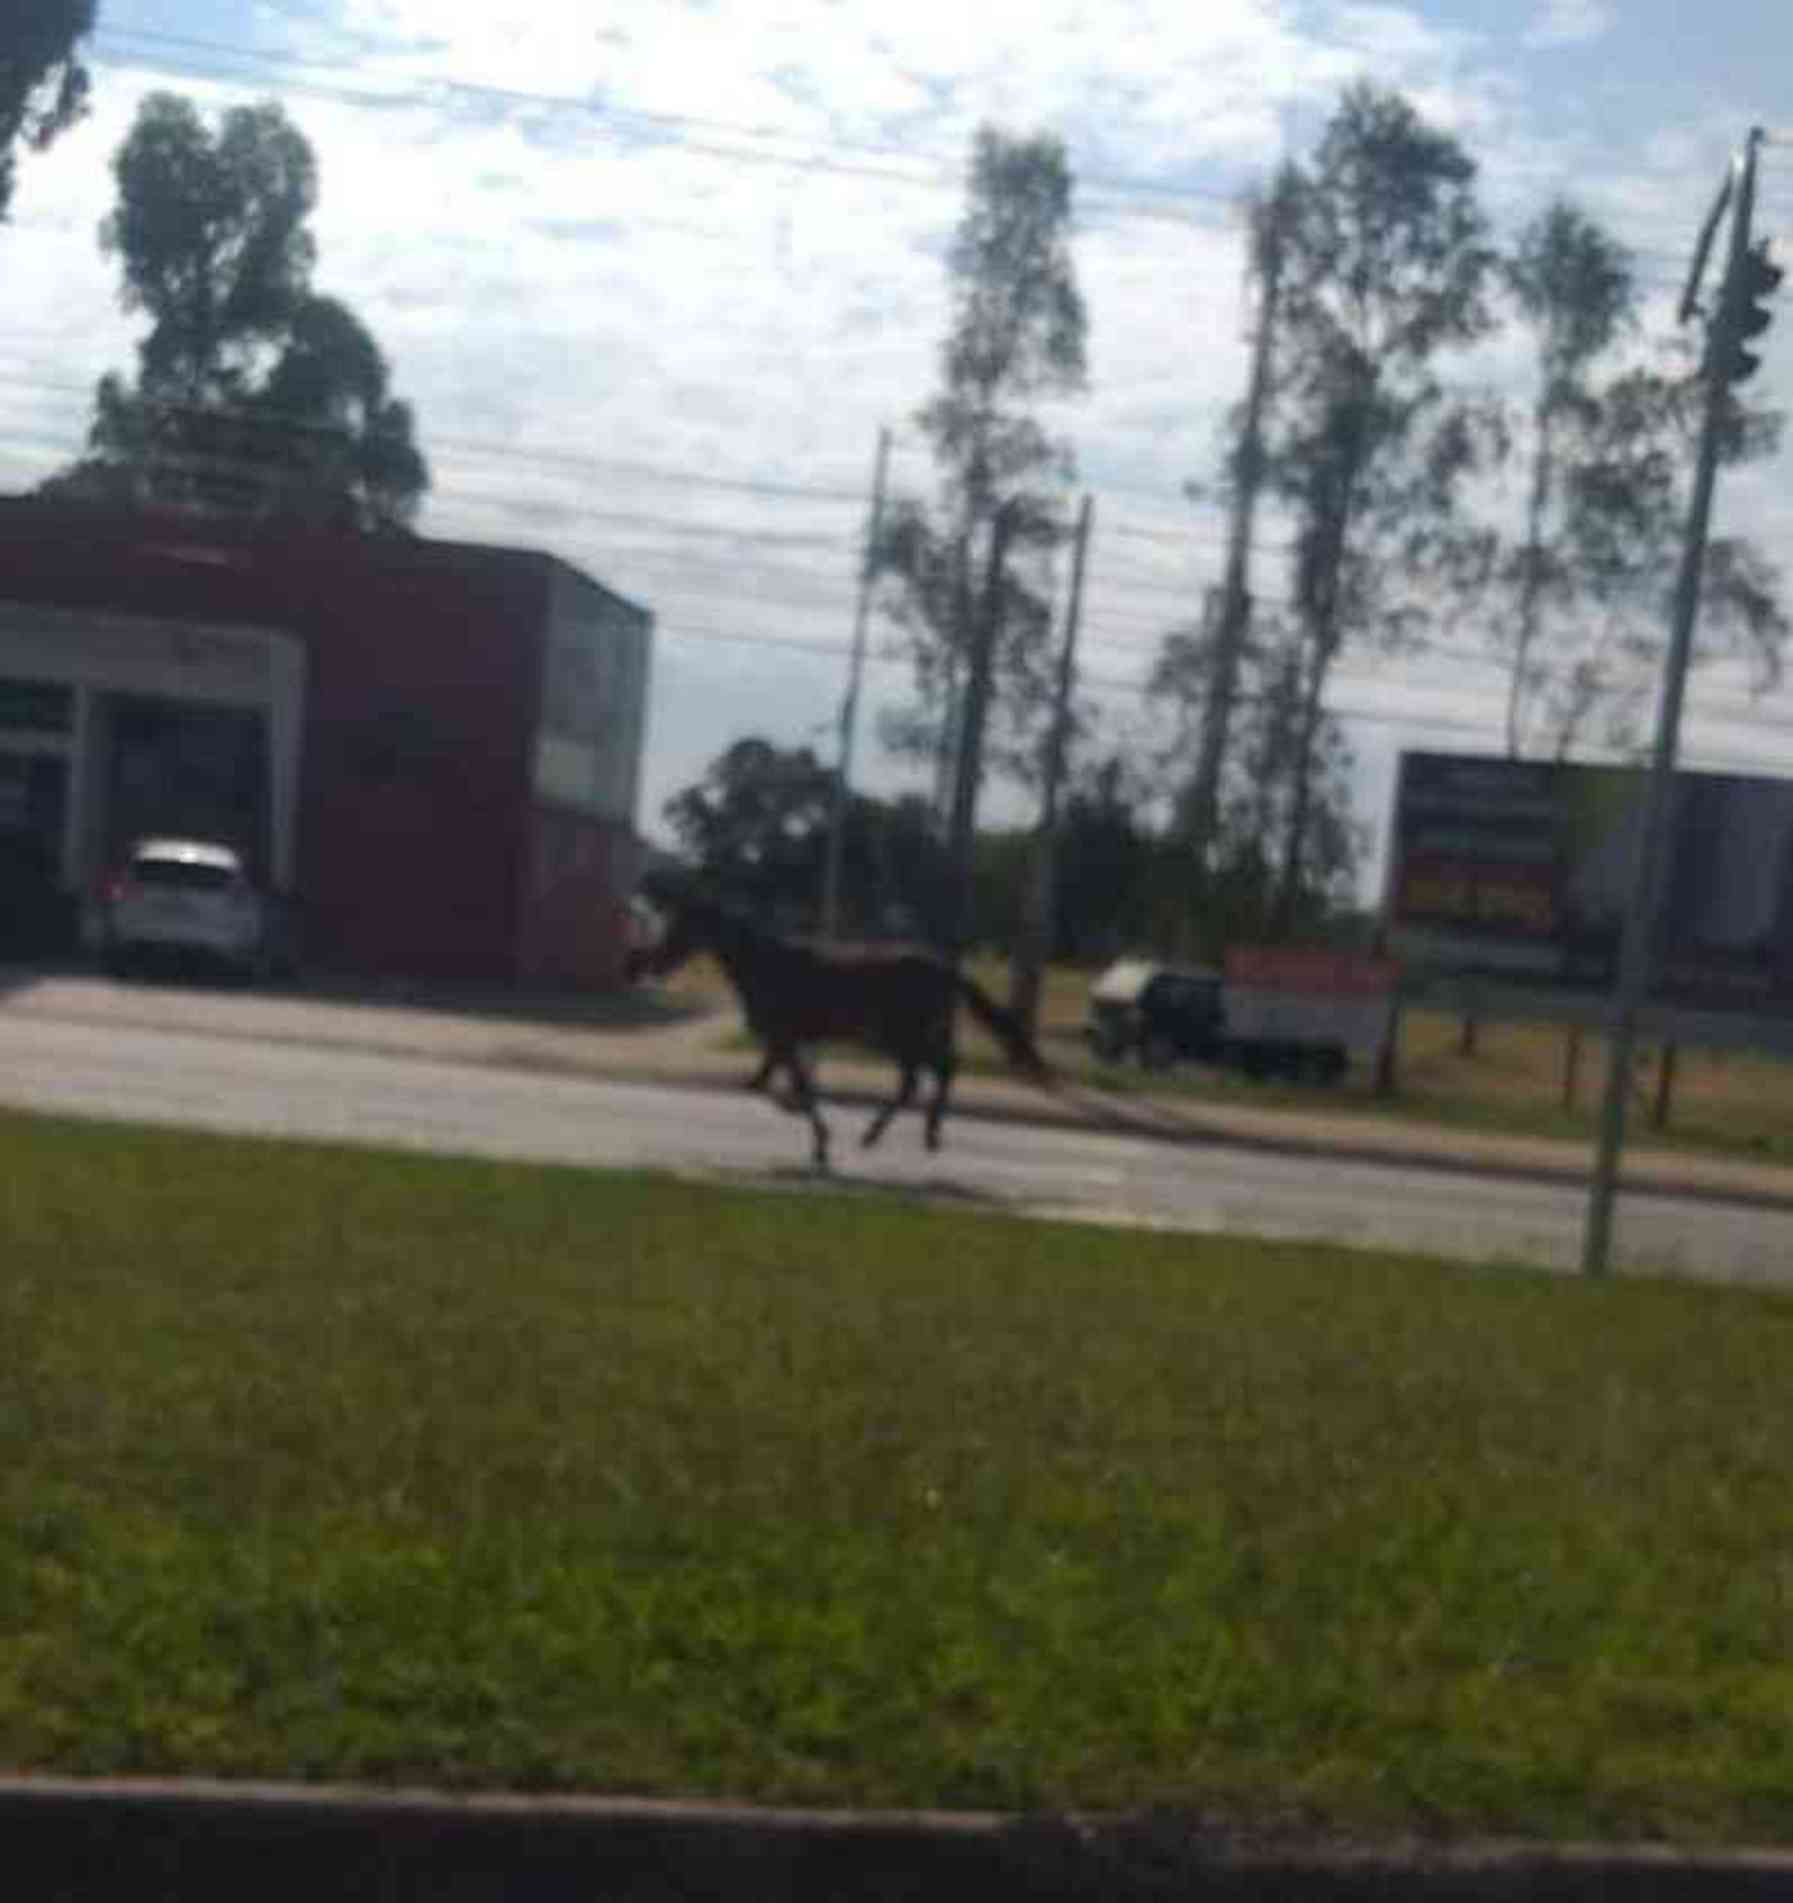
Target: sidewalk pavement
[[643, 1038]]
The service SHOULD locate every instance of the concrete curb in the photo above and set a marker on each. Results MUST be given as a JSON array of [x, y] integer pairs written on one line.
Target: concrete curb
[[131, 1838]]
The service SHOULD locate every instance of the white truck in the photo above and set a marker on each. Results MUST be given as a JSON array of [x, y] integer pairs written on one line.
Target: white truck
[[1271, 1013], [1306, 1013]]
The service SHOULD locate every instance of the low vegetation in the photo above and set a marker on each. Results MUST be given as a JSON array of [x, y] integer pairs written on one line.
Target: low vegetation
[[352, 1466]]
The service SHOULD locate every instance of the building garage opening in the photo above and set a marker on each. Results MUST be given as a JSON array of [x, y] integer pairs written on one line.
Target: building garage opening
[[200, 772], [35, 722]]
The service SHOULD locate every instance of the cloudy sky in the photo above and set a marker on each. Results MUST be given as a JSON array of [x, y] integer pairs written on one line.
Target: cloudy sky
[[654, 273]]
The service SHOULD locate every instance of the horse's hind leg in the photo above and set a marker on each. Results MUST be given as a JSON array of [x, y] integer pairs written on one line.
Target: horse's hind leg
[[761, 1080], [901, 1101], [943, 1073]]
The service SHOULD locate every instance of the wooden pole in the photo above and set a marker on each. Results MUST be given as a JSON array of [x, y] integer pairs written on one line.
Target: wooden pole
[[1665, 1086]]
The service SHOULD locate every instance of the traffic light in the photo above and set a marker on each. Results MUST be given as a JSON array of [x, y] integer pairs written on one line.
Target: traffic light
[[1747, 314]]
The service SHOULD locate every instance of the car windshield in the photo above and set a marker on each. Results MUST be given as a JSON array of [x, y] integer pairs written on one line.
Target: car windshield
[[183, 875]]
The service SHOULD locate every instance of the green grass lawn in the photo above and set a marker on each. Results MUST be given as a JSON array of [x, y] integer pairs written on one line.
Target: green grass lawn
[[352, 1466]]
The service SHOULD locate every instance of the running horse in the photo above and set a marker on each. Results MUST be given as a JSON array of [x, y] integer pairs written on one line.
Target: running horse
[[901, 1003]]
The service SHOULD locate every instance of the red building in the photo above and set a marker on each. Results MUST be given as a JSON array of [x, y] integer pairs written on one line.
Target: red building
[[433, 748]]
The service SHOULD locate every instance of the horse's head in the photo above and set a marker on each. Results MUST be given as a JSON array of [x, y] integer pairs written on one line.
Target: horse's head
[[690, 928]]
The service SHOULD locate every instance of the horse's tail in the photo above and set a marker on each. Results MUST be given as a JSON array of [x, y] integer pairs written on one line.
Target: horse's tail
[[1006, 1028]]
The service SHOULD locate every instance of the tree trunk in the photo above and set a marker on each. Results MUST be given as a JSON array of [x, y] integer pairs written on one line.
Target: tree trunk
[[1033, 943], [1665, 1087], [967, 781], [1388, 1059], [1532, 584], [1036, 942], [1282, 916], [1571, 1065]]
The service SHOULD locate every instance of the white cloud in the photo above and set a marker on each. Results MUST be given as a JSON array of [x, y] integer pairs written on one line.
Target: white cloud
[[1571, 23], [636, 276]]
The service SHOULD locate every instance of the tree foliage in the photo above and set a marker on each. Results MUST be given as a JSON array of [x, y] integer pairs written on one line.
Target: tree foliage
[[756, 826], [1277, 755], [1016, 341], [253, 391], [1581, 596], [1387, 268], [1574, 292], [43, 85], [1381, 258]]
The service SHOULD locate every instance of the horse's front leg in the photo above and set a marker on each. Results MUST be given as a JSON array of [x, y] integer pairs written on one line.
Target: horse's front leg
[[944, 1066], [905, 1095], [809, 1104], [763, 1076]]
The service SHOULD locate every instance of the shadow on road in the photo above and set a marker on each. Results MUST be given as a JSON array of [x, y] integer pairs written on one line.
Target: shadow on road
[[626, 1009], [904, 1188], [1126, 1115], [19, 976]]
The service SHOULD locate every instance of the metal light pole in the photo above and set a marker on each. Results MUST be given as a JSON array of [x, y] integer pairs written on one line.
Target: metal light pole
[[849, 706], [1637, 955]]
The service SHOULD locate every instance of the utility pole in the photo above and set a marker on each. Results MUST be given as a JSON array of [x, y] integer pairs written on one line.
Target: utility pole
[[1233, 620], [962, 833], [849, 706], [1748, 277], [1036, 941]]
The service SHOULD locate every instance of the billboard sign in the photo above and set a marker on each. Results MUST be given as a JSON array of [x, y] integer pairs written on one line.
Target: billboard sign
[[1521, 870]]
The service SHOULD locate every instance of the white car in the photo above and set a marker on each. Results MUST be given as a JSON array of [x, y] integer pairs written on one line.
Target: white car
[[189, 898]]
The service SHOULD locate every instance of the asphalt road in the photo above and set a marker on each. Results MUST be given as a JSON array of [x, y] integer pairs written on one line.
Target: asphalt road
[[283, 1089]]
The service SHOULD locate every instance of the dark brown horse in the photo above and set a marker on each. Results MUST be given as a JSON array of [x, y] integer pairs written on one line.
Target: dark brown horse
[[902, 1003]]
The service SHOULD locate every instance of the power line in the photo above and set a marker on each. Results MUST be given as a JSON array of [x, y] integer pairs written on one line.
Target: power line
[[743, 142], [537, 507], [832, 582], [578, 462], [1347, 675], [1100, 683], [572, 461]]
